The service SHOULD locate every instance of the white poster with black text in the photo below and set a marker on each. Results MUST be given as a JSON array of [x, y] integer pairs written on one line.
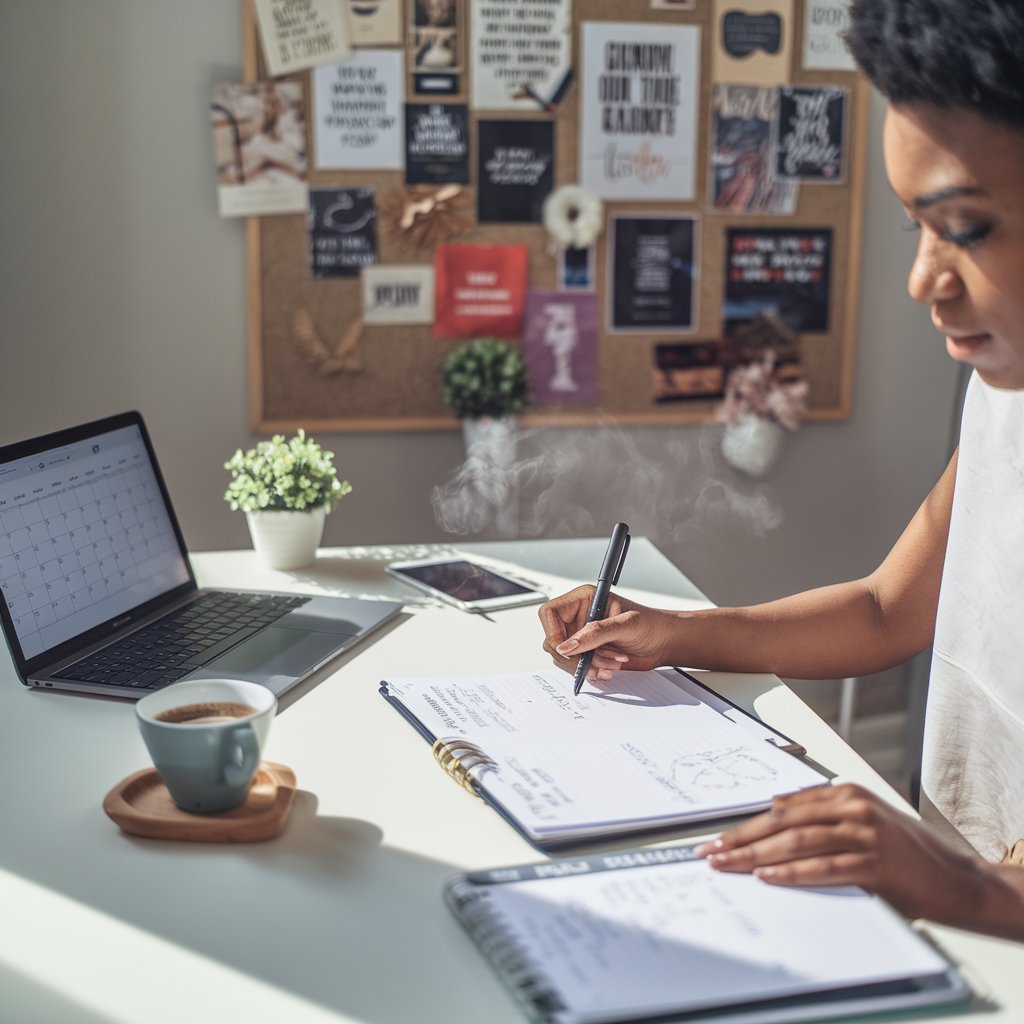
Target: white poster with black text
[[640, 92]]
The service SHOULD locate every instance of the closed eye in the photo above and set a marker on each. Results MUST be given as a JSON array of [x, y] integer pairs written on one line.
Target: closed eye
[[969, 238], [966, 239]]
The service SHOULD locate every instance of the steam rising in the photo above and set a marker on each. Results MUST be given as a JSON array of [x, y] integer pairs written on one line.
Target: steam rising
[[576, 483]]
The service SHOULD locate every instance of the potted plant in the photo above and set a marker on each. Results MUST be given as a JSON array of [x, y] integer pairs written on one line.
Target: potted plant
[[757, 409], [486, 384], [285, 487]]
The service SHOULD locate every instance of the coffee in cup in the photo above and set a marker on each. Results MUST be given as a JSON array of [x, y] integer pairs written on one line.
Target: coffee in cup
[[205, 737], [206, 712]]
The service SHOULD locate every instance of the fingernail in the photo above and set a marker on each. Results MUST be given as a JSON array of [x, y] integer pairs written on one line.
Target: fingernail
[[706, 848], [567, 646], [764, 872], [621, 658]]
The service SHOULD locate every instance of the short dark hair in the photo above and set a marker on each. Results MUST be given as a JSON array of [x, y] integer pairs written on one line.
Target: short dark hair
[[951, 53]]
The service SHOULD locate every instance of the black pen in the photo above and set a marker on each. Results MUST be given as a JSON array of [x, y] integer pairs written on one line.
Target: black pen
[[606, 579]]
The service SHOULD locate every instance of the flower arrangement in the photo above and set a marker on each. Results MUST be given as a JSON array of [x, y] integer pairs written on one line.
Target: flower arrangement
[[485, 377], [754, 390], [573, 217], [293, 474]]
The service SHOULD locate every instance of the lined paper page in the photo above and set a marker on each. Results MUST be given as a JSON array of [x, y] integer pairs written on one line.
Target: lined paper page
[[642, 941], [612, 759]]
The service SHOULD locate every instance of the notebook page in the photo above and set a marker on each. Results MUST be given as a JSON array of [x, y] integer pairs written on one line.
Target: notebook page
[[673, 937], [609, 760]]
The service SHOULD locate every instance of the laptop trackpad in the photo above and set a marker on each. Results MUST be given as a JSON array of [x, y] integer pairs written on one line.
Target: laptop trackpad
[[273, 653]]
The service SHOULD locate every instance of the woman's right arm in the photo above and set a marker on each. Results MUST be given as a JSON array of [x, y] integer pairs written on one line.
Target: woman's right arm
[[848, 629]]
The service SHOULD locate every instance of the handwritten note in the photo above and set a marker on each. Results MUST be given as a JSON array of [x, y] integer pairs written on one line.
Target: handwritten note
[[646, 748], [616, 940], [301, 34]]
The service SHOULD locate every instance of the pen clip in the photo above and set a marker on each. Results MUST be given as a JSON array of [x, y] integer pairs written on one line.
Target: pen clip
[[622, 561]]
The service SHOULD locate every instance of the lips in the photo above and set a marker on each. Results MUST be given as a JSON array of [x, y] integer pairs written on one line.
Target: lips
[[962, 345]]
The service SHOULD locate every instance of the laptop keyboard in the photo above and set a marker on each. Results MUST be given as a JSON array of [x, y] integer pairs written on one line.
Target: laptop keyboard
[[183, 641]]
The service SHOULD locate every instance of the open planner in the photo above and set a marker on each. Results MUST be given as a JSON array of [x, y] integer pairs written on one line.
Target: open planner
[[645, 752], [657, 934]]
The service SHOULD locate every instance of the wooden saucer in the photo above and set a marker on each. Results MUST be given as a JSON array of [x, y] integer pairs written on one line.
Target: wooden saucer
[[141, 806]]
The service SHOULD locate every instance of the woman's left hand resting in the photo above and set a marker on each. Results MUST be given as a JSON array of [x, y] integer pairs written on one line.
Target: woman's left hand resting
[[846, 835]]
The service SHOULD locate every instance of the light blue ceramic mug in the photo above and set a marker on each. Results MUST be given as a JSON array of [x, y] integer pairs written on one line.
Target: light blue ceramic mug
[[206, 737]]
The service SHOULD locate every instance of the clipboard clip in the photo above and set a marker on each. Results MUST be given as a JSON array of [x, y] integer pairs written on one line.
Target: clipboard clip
[[457, 757], [789, 746]]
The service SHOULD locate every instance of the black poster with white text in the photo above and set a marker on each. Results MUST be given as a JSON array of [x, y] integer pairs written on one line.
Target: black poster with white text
[[515, 170], [652, 274], [436, 144], [784, 271], [342, 231]]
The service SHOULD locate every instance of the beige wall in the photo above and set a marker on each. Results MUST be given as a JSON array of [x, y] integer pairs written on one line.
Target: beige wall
[[120, 287]]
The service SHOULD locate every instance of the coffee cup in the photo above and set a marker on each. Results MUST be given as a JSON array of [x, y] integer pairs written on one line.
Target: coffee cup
[[205, 737]]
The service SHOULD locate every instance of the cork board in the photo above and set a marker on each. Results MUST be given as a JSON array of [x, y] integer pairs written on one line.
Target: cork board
[[391, 378]]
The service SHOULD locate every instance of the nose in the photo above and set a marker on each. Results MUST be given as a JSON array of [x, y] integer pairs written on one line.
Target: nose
[[933, 275]]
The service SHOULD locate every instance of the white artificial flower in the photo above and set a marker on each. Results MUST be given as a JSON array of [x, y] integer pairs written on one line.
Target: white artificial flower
[[573, 216]]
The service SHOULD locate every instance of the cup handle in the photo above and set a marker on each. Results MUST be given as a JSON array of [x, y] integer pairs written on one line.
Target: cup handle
[[244, 746]]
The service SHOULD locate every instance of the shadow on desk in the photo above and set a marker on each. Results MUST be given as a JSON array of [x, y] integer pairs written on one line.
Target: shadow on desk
[[327, 912]]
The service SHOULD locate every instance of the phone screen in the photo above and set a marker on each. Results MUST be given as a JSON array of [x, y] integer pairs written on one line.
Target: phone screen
[[464, 581]]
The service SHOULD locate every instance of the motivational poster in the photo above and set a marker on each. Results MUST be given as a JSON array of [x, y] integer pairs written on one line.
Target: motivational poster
[[521, 54], [435, 46], [780, 271], [515, 170], [259, 145], [436, 144], [374, 22], [298, 34], [479, 290], [398, 294], [810, 133], [639, 91], [652, 261], [358, 104], [688, 372], [753, 42], [342, 231], [743, 129], [824, 48], [560, 346]]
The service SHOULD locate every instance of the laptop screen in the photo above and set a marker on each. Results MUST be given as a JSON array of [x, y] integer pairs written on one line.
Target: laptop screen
[[85, 536]]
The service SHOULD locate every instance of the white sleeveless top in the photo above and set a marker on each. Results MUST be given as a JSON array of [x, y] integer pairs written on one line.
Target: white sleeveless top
[[973, 765]]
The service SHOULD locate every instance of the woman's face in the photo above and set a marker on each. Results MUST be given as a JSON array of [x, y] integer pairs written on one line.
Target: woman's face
[[960, 178]]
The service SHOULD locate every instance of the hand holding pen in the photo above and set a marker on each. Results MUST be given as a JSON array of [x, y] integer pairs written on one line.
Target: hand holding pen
[[608, 576]]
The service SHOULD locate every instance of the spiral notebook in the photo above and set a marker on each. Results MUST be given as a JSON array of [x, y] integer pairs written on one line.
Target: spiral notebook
[[658, 935], [642, 753]]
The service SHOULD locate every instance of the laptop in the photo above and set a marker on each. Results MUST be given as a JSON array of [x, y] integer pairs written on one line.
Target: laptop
[[98, 593]]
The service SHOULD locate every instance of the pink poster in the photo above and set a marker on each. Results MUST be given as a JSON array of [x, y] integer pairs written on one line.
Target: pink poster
[[560, 345]]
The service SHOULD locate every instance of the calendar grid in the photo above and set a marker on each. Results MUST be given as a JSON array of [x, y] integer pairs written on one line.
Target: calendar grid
[[64, 552]]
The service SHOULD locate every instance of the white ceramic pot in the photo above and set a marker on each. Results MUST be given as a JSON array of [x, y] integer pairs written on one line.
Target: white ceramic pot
[[490, 439], [287, 539], [489, 470], [752, 445]]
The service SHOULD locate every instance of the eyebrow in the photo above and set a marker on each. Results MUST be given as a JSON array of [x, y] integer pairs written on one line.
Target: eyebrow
[[942, 194]]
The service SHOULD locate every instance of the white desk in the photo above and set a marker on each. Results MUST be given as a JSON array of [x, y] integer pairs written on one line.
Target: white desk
[[339, 918]]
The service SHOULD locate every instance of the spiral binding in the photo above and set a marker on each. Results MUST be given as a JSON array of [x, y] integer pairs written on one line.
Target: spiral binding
[[457, 756], [514, 962]]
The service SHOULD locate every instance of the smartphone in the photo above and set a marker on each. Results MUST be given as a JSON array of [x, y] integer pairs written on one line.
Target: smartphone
[[465, 584]]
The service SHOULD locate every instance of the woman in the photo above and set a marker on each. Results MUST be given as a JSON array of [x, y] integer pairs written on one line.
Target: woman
[[954, 151]]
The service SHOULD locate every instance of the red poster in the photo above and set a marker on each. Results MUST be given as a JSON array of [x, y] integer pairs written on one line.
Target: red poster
[[479, 290]]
